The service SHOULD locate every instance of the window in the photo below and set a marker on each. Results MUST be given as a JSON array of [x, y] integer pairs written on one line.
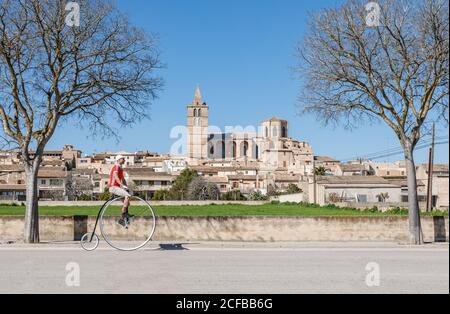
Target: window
[[43, 182], [245, 149], [56, 182], [283, 132], [211, 150], [362, 198], [284, 164], [257, 152], [267, 132], [222, 149], [275, 132], [233, 150], [422, 198]]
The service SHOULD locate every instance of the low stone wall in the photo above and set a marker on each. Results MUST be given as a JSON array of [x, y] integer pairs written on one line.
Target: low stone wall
[[381, 206], [290, 198], [266, 229]]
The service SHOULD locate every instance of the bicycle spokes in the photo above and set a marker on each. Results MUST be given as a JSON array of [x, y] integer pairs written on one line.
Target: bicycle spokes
[[131, 231]]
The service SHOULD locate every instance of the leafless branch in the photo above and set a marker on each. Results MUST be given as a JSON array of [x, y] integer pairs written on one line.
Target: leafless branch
[[101, 74], [397, 72]]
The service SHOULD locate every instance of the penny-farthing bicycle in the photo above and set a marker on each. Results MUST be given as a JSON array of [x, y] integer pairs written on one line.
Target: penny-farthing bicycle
[[129, 235]]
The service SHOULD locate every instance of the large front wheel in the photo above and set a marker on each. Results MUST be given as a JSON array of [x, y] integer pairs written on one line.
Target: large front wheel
[[131, 232]]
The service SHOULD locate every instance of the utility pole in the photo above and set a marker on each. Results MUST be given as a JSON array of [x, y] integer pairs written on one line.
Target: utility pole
[[314, 181], [430, 172]]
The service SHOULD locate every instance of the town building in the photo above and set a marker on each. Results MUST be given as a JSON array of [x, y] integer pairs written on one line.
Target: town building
[[270, 145], [440, 184], [265, 159], [353, 189]]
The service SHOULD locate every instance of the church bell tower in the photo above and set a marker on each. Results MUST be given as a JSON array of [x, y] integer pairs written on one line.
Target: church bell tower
[[197, 124]]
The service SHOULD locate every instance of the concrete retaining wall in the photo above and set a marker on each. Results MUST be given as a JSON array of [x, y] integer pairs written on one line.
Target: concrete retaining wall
[[266, 229]]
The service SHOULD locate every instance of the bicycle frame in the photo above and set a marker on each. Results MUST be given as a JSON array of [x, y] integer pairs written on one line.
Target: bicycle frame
[[90, 236], [112, 198]]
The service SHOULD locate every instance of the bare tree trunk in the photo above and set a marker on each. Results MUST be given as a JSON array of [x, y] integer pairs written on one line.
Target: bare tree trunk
[[31, 232], [415, 228]]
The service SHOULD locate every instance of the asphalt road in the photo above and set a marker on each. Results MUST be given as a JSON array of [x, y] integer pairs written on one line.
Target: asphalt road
[[234, 268]]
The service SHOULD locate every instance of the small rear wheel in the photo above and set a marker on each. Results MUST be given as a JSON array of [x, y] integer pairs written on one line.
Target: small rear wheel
[[89, 242]]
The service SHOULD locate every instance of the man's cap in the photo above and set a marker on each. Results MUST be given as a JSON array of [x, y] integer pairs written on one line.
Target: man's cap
[[119, 157]]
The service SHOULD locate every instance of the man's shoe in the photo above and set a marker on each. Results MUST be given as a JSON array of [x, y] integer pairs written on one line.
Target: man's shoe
[[122, 222]]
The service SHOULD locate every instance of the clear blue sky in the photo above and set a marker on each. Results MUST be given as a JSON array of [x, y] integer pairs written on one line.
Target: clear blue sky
[[240, 52]]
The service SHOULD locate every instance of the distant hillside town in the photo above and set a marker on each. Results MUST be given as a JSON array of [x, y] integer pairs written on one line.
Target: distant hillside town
[[263, 162]]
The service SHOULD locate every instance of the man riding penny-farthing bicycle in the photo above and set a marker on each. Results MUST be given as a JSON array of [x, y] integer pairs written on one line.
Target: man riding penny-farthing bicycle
[[126, 222], [118, 187]]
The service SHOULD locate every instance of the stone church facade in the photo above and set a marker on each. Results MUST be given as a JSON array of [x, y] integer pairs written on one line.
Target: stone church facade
[[269, 147]]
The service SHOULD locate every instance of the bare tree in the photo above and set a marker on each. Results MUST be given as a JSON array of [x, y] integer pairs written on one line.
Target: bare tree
[[201, 190], [99, 74], [79, 184], [396, 72]]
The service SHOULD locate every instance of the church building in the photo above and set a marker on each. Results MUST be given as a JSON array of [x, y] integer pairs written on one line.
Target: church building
[[269, 147]]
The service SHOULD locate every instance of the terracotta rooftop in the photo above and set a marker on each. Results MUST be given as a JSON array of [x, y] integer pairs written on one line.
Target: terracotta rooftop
[[216, 179], [84, 171], [352, 167], [148, 173], [51, 173], [13, 187], [353, 180], [404, 182], [11, 168], [242, 177], [53, 163], [325, 159]]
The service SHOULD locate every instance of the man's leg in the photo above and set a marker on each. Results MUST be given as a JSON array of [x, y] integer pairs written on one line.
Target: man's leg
[[126, 204]]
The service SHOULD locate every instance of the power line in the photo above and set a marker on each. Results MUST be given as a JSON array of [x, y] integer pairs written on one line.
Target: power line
[[375, 154], [394, 151], [401, 152]]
